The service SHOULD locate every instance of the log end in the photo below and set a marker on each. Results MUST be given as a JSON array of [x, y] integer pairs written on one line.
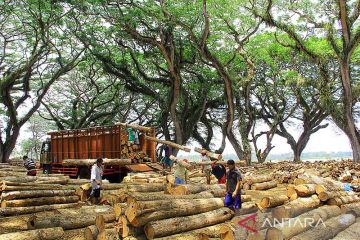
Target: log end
[[149, 231]]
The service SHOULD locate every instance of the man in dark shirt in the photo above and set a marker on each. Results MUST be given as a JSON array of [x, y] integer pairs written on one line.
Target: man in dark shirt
[[166, 161], [233, 181]]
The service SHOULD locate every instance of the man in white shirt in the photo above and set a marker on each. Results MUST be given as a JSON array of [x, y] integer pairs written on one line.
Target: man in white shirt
[[96, 180], [206, 167]]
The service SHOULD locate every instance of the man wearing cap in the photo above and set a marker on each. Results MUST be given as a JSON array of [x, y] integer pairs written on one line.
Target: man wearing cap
[[206, 167], [96, 180], [233, 181]]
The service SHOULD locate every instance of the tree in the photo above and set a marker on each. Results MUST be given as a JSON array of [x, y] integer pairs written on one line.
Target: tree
[[38, 129], [87, 96], [37, 50], [335, 21], [145, 50]]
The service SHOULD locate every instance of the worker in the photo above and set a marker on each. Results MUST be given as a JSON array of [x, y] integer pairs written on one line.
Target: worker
[[166, 161], [131, 136], [96, 180], [233, 181], [219, 171], [206, 167], [181, 173], [30, 166]]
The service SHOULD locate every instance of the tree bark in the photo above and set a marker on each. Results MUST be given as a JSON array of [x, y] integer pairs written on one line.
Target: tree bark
[[38, 234], [172, 226], [181, 208], [12, 211], [39, 201], [329, 229]]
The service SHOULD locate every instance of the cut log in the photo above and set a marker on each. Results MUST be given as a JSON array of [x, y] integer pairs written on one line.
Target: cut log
[[192, 189], [258, 179], [273, 201], [39, 201], [38, 234], [328, 229], [297, 225], [34, 187], [353, 208], [352, 232], [321, 188], [108, 234], [298, 181], [90, 162], [296, 207], [131, 197], [13, 224], [172, 144], [216, 156], [35, 193], [176, 208], [263, 220], [74, 234], [291, 193], [172, 226], [305, 190], [127, 229], [343, 200], [219, 231], [91, 232], [67, 222], [324, 196], [264, 185], [12, 211], [245, 198], [135, 126], [119, 209]]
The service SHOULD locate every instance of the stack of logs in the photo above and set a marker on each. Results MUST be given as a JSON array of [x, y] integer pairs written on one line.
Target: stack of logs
[[262, 182], [132, 151]]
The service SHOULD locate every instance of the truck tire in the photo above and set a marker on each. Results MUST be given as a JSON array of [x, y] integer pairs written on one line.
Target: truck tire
[[117, 178], [84, 173]]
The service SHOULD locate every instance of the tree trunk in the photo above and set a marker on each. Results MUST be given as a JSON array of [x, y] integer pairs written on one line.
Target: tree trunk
[[352, 232], [350, 127], [8, 146], [295, 226], [35, 193], [38, 234], [172, 226], [219, 231], [273, 201], [329, 229], [12, 211], [264, 185], [39, 201], [305, 190], [174, 209], [296, 207], [67, 222], [161, 196]]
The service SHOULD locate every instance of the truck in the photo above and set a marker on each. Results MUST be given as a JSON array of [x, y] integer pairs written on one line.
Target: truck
[[111, 142]]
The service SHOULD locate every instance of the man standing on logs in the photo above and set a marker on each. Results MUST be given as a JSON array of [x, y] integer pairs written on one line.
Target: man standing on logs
[[233, 181], [181, 173], [30, 166], [206, 168], [96, 180], [166, 161]]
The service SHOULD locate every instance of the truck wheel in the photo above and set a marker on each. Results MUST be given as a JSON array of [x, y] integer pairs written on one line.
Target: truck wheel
[[116, 178], [84, 173]]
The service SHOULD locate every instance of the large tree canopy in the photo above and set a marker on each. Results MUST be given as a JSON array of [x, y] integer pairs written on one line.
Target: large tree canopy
[[196, 70]]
